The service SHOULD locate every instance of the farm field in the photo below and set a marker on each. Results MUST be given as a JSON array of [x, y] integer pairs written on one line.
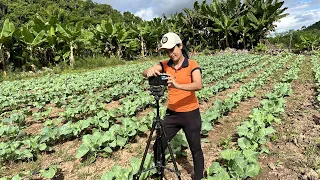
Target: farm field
[[260, 120]]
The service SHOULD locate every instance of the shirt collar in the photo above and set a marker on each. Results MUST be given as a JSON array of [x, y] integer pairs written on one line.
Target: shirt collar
[[185, 62]]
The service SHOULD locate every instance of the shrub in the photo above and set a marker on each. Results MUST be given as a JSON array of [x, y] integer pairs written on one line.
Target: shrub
[[261, 48]]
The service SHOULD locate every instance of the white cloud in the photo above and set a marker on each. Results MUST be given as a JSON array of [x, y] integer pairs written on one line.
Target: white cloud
[[297, 20], [168, 7], [158, 7], [301, 13], [289, 22], [299, 7], [146, 14]]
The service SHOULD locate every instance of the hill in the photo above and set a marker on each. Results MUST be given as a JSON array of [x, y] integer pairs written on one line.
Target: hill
[[68, 11], [314, 26]]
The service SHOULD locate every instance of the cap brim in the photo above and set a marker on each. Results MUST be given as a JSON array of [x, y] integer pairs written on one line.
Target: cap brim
[[166, 46]]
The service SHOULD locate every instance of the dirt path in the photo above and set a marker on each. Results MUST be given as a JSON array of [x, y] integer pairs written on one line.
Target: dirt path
[[295, 152]]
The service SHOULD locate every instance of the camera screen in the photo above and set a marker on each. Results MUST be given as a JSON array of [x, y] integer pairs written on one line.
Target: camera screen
[[158, 80]]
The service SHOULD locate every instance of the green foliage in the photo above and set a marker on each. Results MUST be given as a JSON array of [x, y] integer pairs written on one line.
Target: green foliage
[[49, 173], [71, 11], [215, 171], [84, 95], [307, 39], [49, 32], [261, 48], [97, 62], [118, 172], [207, 52], [314, 26], [242, 162]]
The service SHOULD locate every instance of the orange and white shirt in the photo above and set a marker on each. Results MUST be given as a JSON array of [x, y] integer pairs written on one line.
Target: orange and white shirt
[[181, 100]]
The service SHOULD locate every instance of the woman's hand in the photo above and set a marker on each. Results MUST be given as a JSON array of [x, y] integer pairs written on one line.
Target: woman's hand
[[152, 72], [171, 82]]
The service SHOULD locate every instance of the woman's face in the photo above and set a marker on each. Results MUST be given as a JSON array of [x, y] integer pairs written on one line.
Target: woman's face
[[175, 53]]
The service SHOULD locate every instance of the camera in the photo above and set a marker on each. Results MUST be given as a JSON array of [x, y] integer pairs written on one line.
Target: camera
[[158, 80]]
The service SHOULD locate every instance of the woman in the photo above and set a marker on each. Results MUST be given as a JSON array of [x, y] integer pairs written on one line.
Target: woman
[[184, 78]]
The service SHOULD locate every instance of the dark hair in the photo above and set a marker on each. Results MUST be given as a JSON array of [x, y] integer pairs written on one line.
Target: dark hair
[[184, 50]]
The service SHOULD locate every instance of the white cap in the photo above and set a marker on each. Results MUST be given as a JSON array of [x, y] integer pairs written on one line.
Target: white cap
[[169, 40]]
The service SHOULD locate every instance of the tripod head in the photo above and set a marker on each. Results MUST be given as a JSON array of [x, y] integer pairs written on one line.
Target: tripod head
[[157, 91], [157, 84]]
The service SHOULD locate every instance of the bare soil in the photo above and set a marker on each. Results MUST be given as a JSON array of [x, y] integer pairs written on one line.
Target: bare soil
[[295, 152], [219, 138], [224, 133]]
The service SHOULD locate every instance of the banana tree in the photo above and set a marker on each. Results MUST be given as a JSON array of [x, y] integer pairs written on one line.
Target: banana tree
[[6, 36], [244, 28], [224, 18], [103, 37], [70, 35], [114, 37], [32, 40], [226, 25], [49, 27], [263, 14], [124, 41], [142, 31], [192, 26], [173, 24], [310, 41], [157, 30], [209, 13], [259, 25]]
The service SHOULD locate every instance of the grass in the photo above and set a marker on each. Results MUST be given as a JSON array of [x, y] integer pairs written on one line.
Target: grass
[[84, 175], [225, 143], [22, 167], [313, 155], [292, 133], [274, 137], [62, 153], [306, 72]]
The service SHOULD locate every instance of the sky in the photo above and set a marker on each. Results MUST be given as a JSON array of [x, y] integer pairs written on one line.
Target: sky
[[301, 13]]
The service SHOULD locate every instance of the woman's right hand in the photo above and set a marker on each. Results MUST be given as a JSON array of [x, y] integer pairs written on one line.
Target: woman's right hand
[[152, 72]]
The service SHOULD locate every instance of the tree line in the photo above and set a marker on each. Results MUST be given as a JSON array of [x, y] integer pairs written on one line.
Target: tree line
[[298, 41], [21, 12], [52, 37]]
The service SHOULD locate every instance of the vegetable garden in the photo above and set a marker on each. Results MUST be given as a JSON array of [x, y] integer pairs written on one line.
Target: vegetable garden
[[94, 125]]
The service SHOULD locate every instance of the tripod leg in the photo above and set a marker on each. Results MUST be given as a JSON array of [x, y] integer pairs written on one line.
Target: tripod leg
[[171, 153], [163, 159], [159, 151], [137, 176]]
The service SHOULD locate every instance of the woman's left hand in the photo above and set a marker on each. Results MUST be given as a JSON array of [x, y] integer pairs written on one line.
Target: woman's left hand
[[171, 82]]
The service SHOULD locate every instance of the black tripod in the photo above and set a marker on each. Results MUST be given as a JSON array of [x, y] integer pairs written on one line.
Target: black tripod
[[157, 125]]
